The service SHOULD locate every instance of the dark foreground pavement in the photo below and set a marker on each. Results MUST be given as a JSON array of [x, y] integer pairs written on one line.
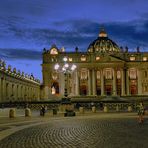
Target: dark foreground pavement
[[95, 131]]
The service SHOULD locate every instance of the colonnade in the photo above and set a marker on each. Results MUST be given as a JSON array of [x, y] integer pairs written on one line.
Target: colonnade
[[15, 86], [92, 80], [18, 91]]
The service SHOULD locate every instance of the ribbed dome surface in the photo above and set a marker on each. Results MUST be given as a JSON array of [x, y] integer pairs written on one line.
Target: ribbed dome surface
[[103, 44]]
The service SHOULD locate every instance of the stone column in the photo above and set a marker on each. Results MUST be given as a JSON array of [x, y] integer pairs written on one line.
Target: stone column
[[14, 92], [25, 94], [39, 94], [102, 83], [77, 89], [139, 82], [47, 78], [127, 82], [46, 92], [61, 84], [30, 91], [4, 90], [122, 82], [93, 82], [19, 93], [9, 91], [22, 93], [89, 82], [114, 82], [72, 84]]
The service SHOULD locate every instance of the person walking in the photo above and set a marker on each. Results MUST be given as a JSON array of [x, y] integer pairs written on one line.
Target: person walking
[[141, 112]]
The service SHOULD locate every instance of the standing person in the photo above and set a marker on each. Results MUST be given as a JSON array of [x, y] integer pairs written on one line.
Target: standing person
[[141, 112], [42, 111]]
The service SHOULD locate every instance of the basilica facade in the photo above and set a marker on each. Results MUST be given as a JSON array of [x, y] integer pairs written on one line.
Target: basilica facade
[[104, 69]]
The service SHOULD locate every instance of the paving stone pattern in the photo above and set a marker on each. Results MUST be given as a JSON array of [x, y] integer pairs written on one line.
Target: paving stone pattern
[[81, 133]]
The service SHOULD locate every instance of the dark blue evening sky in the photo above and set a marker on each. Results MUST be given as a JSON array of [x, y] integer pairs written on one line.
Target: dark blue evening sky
[[27, 26]]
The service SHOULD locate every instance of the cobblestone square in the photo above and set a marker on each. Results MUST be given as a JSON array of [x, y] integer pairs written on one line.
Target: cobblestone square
[[92, 131]]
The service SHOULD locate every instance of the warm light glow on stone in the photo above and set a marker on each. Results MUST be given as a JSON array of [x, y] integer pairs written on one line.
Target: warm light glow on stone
[[132, 58], [144, 58], [97, 58]]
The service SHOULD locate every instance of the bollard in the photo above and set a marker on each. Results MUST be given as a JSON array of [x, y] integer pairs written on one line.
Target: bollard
[[129, 109], [27, 112], [105, 109], [12, 113], [94, 109], [81, 110]]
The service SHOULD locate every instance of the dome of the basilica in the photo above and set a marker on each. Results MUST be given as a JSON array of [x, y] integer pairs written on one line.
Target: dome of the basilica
[[103, 44]]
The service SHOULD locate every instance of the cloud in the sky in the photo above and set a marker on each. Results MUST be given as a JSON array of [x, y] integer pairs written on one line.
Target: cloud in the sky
[[26, 27], [20, 54]]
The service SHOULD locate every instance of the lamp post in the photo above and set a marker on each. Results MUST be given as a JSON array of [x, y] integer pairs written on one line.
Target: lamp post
[[66, 69]]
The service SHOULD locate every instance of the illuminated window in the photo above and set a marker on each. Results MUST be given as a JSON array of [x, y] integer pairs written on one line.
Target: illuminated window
[[83, 74], [53, 51], [118, 74], [144, 58], [70, 59], [132, 58], [132, 73], [53, 91], [97, 58], [83, 58], [98, 75], [108, 74]]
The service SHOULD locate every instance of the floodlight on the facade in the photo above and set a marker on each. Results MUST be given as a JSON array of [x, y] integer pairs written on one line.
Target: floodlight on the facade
[[56, 67], [65, 59], [73, 67], [66, 65]]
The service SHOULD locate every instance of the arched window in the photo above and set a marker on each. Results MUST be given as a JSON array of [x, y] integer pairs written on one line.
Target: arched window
[[84, 74], [132, 73], [53, 51], [55, 88], [118, 74], [108, 74], [83, 58]]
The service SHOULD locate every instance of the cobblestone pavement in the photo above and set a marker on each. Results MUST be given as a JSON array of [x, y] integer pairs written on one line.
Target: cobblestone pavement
[[81, 132]]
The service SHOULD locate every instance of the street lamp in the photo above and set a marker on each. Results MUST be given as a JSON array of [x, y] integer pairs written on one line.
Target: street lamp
[[66, 68]]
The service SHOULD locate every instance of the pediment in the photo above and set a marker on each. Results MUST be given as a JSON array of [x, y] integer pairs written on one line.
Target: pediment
[[110, 58]]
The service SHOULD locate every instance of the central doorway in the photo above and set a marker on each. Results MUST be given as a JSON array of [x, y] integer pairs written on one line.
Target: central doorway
[[108, 90]]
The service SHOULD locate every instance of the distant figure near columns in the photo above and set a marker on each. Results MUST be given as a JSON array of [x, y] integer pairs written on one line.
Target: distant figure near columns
[[12, 113]]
